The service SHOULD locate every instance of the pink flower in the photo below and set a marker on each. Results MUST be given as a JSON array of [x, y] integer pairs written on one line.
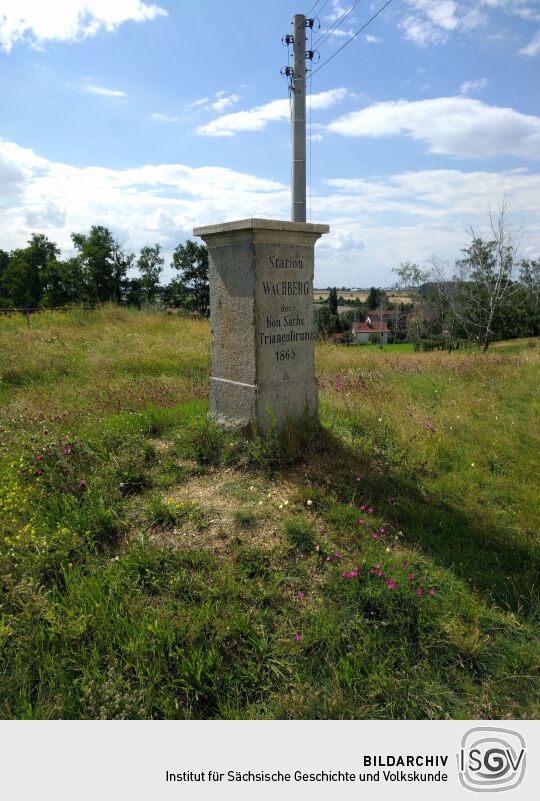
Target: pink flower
[[370, 510], [360, 521], [431, 591], [39, 457], [338, 555], [300, 596], [405, 566], [350, 504], [382, 530], [317, 547], [327, 558], [420, 591], [363, 508], [391, 584], [82, 484], [378, 565], [297, 637], [411, 577], [379, 573], [375, 535]]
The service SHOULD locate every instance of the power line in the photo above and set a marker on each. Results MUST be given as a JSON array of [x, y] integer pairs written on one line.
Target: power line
[[314, 6], [336, 24], [381, 9], [320, 9]]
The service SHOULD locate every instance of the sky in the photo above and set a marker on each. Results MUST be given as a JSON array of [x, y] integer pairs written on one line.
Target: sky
[[155, 117]]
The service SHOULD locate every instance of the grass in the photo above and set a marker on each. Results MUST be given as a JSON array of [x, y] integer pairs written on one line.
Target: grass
[[154, 566]]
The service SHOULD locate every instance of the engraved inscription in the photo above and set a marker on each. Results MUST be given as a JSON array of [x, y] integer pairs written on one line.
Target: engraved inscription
[[285, 328]]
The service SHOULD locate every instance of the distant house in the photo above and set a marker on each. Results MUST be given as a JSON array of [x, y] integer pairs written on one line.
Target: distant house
[[363, 331]]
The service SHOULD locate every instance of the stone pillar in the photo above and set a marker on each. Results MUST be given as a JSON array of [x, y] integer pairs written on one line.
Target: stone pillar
[[261, 312]]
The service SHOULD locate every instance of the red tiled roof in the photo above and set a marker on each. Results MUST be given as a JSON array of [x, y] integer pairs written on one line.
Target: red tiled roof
[[366, 328]]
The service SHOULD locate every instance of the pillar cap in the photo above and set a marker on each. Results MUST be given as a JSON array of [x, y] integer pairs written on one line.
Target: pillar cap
[[258, 224]]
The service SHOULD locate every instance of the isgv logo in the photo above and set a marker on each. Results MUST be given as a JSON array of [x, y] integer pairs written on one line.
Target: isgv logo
[[491, 759]]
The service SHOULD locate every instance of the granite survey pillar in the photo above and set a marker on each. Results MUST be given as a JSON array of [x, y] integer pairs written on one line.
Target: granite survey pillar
[[261, 312]]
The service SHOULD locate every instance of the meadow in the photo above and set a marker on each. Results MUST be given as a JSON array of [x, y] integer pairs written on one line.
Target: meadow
[[154, 566]]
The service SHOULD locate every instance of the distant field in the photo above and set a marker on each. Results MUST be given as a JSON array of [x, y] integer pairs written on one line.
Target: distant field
[[394, 297], [155, 566]]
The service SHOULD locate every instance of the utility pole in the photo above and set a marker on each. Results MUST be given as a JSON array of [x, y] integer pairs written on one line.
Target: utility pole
[[299, 120], [297, 88]]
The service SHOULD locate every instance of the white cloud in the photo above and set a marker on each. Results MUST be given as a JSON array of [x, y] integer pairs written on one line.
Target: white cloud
[[256, 119], [38, 21], [470, 87], [533, 48], [376, 222], [526, 9], [456, 126], [432, 21], [156, 115], [224, 101], [369, 39], [102, 91], [202, 101], [149, 203]]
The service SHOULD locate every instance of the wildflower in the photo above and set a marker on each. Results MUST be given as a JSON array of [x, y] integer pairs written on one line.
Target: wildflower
[[251, 488], [420, 591], [363, 508], [260, 503], [360, 521], [370, 510], [327, 558], [379, 573], [388, 550], [391, 584], [378, 565], [431, 592], [472, 464], [382, 530], [82, 484], [285, 503], [338, 555], [280, 506], [375, 535], [309, 503], [39, 457], [411, 577], [350, 504], [317, 547], [300, 596], [297, 637]]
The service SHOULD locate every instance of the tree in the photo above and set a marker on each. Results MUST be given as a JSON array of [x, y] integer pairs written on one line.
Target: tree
[[325, 322], [484, 282], [104, 263], [64, 283], [191, 288], [411, 277], [24, 273], [375, 298], [333, 302], [150, 265]]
